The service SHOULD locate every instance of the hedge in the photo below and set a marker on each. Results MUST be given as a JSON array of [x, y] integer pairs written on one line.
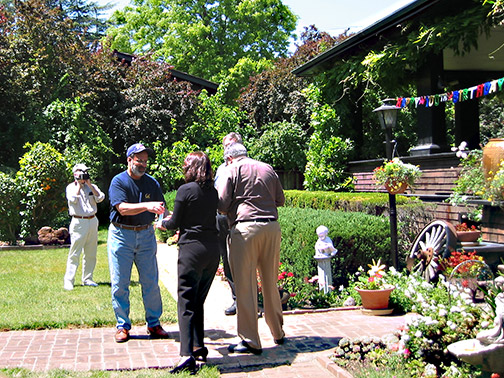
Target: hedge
[[358, 237]]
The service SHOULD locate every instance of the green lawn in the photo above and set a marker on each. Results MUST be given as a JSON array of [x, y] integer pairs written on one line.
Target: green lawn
[[32, 297], [32, 294]]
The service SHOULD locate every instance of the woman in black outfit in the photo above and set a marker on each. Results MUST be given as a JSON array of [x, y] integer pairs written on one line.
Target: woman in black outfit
[[194, 215]]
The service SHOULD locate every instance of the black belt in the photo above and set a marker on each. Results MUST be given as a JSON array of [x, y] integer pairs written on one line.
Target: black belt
[[257, 220], [78, 216], [133, 228]]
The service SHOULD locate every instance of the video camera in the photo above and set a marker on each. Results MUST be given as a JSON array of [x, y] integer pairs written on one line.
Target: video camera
[[82, 176]]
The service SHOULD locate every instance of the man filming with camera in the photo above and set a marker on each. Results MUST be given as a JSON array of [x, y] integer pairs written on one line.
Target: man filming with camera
[[83, 197]]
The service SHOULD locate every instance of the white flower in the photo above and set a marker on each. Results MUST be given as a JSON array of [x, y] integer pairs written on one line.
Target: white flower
[[430, 370], [341, 288], [455, 309], [485, 324], [442, 312], [405, 338], [461, 154], [418, 333], [462, 145]]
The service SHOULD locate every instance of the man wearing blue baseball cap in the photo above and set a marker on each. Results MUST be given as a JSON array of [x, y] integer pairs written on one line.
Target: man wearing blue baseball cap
[[135, 199]]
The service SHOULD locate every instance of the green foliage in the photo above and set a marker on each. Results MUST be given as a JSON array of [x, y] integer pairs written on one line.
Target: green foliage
[[78, 135], [42, 179], [167, 166], [327, 154], [326, 163], [358, 237], [237, 78], [282, 145], [411, 212], [370, 203], [213, 120], [9, 208], [204, 38], [42, 59]]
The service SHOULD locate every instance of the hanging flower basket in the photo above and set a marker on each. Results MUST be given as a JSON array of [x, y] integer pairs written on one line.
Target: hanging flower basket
[[396, 175], [394, 187]]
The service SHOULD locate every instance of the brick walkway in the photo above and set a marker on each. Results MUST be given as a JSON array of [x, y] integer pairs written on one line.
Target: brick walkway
[[310, 339]]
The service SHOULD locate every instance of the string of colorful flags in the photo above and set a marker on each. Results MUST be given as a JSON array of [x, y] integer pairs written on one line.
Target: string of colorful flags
[[453, 96]]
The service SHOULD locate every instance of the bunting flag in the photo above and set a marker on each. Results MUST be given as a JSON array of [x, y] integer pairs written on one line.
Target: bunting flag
[[454, 96]]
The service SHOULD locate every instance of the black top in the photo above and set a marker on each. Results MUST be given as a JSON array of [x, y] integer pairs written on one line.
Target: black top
[[194, 213]]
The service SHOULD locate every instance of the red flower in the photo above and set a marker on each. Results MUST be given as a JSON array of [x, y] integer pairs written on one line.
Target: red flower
[[290, 274]]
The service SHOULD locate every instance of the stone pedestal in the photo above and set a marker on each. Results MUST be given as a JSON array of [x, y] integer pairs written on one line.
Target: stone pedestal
[[324, 273]]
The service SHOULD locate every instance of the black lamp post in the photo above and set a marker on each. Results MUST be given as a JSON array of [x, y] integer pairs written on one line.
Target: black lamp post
[[387, 114]]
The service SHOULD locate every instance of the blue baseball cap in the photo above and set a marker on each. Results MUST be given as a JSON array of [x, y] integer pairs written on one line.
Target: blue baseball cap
[[137, 148]]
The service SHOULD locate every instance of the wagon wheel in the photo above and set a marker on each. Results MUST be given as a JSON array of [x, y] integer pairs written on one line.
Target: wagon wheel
[[437, 239]]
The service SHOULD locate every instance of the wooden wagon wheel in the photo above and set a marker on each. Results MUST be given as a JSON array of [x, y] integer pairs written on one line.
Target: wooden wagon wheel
[[437, 239]]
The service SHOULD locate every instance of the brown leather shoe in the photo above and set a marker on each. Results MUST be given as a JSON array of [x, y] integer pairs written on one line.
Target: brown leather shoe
[[122, 335], [157, 332]]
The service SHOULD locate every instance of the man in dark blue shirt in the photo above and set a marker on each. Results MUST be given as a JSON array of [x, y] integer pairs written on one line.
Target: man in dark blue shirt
[[135, 199]]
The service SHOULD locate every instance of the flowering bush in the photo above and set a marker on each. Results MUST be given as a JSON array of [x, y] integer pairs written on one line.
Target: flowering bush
[[446, 265], [471, 180], [443, 315], [395, 172], [375, 278]]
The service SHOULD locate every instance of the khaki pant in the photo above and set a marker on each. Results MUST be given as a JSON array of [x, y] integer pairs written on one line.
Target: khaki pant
[[255, 246], [84, 239]]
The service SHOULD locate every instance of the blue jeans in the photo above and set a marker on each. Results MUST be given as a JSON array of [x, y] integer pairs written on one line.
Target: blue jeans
[[126, 247]]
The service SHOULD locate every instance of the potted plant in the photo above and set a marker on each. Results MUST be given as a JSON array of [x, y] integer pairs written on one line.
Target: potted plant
[[396, 175], [373, 287], [466, 234]]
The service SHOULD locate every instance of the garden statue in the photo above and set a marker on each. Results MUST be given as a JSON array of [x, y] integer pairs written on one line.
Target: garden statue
[[496, 334], [324, 250], [487, 349]]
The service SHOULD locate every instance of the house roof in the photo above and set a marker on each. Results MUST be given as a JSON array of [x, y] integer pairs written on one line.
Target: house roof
[[197, 82], [479, 60]]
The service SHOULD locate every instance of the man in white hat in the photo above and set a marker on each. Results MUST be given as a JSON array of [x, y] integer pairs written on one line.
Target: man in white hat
[[83, 197]]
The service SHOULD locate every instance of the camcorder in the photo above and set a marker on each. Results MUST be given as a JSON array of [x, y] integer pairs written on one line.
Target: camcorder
[[82, 176]]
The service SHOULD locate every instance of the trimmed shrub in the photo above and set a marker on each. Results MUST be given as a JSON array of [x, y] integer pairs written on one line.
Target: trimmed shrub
[[9, 208], [370, 203], [42, 179], [358, 237], [412, 214]]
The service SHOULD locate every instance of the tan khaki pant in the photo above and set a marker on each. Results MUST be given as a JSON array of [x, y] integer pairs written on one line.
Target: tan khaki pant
[[255, 246]]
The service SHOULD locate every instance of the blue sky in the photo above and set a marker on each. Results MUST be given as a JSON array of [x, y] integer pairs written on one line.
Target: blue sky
[[331, 16]]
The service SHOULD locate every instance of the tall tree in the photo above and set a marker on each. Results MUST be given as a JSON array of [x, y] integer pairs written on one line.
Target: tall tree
[[204, 37]]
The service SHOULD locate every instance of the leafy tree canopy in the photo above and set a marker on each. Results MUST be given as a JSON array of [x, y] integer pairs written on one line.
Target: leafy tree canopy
[[204, 38]]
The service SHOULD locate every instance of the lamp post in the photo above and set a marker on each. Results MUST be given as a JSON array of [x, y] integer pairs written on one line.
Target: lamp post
[[387, 114]]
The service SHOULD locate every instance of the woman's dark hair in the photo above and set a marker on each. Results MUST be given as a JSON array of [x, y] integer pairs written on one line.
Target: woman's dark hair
[[197, 168]]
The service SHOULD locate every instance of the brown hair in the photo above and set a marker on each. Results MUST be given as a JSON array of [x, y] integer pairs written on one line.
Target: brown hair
[[197, 168]]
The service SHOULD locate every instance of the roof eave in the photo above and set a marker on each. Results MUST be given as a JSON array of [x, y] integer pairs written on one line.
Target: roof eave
[[314, 66]]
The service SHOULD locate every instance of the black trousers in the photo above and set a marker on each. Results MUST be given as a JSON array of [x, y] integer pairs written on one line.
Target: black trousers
[[197, 264], [223, 228]]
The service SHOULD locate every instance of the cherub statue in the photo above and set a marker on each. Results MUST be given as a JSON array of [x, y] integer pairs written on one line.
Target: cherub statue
[[496, 334], [324, 246]]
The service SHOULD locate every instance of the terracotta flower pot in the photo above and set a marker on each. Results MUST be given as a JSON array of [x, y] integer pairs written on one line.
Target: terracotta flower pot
[[468, 236], [375, 299], [394, 187]]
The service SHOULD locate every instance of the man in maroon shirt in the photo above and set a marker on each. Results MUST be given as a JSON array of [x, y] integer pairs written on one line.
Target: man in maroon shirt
[[249, 193]]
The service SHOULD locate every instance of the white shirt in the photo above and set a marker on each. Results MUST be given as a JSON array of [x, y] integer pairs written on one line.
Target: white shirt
[[83, 204]]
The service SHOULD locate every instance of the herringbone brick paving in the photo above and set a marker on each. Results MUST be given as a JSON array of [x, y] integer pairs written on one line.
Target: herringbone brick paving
[[310, 338]]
